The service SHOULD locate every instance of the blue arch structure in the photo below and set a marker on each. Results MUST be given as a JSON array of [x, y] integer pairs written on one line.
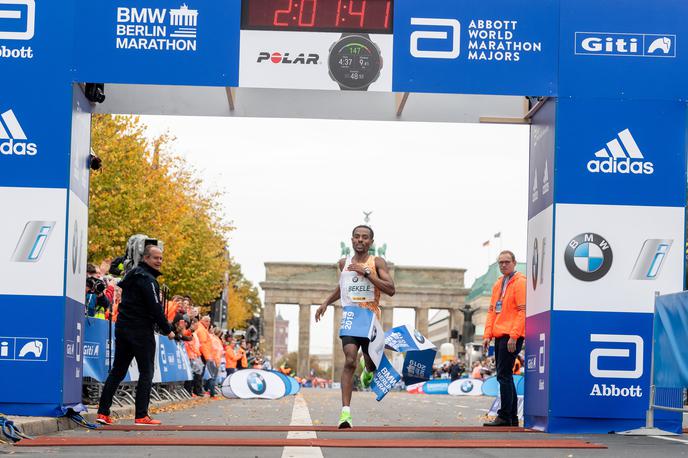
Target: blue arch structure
[[607, 166]]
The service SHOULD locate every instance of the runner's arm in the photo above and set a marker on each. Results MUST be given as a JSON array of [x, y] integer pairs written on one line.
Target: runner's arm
[[383, 280], [335, 296]]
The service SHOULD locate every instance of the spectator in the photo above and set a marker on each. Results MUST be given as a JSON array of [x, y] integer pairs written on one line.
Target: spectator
[[477, 371], [456, 370], [97, 302], [174, 306]]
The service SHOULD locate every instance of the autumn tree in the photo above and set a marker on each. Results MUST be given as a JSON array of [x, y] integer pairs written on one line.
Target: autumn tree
[[154, 192]]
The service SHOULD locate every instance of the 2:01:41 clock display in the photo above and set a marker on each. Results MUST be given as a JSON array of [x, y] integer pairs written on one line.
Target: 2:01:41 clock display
[[366, 16]]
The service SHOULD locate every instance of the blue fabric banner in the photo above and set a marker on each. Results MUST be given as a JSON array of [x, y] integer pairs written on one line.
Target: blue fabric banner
[[386, 377], [671, 335]]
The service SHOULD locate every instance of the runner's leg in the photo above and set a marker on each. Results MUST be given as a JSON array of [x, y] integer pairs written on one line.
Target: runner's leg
[[350, 359]]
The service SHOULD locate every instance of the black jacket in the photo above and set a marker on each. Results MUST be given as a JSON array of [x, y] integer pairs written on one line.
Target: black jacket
[[141, 307]]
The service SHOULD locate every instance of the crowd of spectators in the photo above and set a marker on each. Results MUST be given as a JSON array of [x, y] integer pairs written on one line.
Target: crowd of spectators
[[213, 352], [481, 369]]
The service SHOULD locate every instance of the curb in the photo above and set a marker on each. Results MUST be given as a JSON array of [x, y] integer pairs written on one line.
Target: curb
[[40, 426]]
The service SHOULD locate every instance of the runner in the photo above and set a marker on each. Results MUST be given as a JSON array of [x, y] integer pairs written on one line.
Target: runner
[[362, 279]]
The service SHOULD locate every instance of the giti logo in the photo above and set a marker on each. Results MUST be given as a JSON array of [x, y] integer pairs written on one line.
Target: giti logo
[[625, 44], [13, 140], [283, 58], [614, 159]]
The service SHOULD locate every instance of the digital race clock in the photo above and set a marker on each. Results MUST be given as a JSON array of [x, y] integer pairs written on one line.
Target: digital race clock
[[361, 16]]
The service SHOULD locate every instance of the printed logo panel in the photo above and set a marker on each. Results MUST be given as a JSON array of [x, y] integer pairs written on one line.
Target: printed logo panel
[[608, 49], [603, 364], [316, 60], [633, 154], [159, 42], [539, 258], [614, 258], [461, 47], [32, 241], [541, 162]]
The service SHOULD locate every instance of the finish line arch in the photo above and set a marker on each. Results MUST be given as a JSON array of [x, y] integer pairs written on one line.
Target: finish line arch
[[607, 162]]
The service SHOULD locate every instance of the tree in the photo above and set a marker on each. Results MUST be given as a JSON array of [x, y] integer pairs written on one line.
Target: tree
[[156, 193]]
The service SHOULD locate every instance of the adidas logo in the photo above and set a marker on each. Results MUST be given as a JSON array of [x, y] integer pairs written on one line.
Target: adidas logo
[[614, 159], [13, 140]]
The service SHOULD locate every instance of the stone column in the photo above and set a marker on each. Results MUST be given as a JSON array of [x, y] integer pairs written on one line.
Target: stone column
[[304, 339], [269, 331], [387, 318], [337, 353], [422, 320]]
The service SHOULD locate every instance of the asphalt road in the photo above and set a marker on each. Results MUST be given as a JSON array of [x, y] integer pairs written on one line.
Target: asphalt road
[[397, 409]]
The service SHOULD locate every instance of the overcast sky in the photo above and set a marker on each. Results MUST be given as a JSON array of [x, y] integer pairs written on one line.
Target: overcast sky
[[295, 188]]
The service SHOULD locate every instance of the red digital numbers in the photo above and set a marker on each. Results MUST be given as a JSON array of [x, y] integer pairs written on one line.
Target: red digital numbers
[[325, 15]]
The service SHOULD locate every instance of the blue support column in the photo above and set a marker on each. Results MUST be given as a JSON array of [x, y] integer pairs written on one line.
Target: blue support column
[[43, 197], [617, 223]]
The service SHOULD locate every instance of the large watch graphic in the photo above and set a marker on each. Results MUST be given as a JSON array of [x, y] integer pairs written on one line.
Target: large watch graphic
[[354, 62]]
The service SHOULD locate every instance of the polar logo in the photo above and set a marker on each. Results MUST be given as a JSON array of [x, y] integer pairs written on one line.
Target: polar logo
[[440, 35], [598, 353]]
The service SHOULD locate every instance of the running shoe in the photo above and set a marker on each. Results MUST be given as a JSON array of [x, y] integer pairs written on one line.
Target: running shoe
[[345, 421], [366, 378], [147, 421], [105, 419]]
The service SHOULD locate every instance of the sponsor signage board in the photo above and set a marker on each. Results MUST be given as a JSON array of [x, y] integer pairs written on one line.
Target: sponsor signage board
[[603, 368], [633, 153], [613, 258], [465, 47], [539, 262], [194, 42], [623, 51], [537, 365]]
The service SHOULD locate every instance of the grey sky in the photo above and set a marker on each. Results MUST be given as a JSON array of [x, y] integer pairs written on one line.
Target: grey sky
[[295, 188]]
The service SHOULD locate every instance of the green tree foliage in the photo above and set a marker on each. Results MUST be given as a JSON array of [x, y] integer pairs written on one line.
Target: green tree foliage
[[154, 192]]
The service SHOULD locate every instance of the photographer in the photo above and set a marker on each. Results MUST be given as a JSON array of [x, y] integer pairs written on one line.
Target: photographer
[[139, 312], [97, 302]]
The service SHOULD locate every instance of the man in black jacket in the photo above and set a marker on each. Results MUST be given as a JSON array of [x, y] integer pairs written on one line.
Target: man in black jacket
[[139, 311]]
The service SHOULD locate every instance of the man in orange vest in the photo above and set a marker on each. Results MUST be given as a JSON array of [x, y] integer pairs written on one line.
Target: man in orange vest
[[506, 323]]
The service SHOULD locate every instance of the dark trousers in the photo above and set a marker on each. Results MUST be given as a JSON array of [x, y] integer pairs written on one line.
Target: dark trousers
[[130, 344], [505, 376]]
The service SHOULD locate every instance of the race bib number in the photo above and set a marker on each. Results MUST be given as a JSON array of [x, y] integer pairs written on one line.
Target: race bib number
[[360, 289]]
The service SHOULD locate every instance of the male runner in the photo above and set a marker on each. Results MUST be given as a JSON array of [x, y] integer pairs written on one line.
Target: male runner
[[361, 269]]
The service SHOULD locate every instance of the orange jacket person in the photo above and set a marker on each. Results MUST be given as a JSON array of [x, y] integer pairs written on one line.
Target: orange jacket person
[[506, 323]]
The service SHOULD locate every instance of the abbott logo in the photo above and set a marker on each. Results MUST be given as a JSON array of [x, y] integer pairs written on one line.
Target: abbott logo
[[17, 19], [614, 159], [598, 353], [437, 35]]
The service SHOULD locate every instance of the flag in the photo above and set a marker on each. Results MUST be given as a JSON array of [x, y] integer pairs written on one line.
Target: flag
[[487, 243], [497, 235]]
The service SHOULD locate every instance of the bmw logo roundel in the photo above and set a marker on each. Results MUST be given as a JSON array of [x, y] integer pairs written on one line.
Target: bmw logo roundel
[[588, 257], [354, 279], [256, 383], [373, 334], [535, 264], [466, 387], [418, 336]]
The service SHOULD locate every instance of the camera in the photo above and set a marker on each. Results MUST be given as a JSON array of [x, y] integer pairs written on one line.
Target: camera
[[95, 285]]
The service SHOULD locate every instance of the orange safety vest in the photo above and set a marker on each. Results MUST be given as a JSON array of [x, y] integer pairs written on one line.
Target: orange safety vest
[[193, 347], [511, 321]]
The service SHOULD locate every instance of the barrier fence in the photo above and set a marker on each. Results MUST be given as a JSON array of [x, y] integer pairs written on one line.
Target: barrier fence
[[172, 366]]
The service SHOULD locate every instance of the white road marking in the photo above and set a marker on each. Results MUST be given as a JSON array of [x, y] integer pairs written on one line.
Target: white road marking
[[673, 439], [300, 416]]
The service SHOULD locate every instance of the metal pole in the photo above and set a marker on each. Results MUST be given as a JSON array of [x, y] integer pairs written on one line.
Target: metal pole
[[650, 415]]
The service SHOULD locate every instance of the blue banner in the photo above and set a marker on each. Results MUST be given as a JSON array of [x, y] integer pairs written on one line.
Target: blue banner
[[418, 366], [468, 47], [356, 322], [634, 151], [671, 335], [620, 49], [386, 377], [159, 42]]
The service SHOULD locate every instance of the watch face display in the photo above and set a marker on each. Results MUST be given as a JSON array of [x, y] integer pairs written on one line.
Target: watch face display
[[355, 62]]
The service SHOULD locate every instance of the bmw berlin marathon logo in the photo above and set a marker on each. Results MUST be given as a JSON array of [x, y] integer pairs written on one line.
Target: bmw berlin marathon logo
[[467, 386], [256, 383], [419, 337], [535, 265], [588, 257]]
